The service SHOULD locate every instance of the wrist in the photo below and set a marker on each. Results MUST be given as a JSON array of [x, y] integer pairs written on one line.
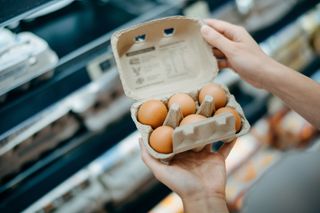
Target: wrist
[[271, 74], [205, 202]]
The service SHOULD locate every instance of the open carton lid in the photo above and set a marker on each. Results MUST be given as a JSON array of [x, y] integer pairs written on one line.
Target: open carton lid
[[163, 56]]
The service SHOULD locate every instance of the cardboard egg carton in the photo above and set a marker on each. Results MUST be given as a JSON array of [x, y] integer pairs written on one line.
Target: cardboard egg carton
[[166, 56]]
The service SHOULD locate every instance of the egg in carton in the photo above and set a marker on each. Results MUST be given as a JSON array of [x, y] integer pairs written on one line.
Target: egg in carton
[[164, 57]]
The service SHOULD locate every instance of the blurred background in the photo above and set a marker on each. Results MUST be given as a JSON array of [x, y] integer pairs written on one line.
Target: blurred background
[[67, 141]]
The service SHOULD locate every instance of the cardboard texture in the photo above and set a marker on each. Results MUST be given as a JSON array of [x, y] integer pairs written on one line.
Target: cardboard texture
[[162, 57]]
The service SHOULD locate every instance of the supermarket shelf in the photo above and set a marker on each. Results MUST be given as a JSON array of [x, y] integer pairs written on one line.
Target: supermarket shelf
[[78, 105], [92, 145], [113, 162], [71, 68], [82, 21], [230, 13], [14, 12], [146, 201], [65, 147], [300, 8]]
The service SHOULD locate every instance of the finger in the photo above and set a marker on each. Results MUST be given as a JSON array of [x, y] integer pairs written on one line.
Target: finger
[[183, 155], [226, 148], [216, 39], [228, 29], [218, 54], [223, 64], [151, 162], [192, 154]]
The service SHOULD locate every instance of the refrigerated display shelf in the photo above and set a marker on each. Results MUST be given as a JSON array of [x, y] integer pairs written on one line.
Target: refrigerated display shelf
[[71, 74], [37, 99], [45, 159], [77, 24], [71, 27], [263, 29], [11, 11], [254, 15], [81, 138], [145, 202], [72, 66], [20, 196], [300, 8]]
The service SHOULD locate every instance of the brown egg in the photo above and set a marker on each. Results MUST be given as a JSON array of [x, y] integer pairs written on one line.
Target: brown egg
[[161, 139], [186, 103], [152, 113], [235, 115], [193, 118], [217, 92]]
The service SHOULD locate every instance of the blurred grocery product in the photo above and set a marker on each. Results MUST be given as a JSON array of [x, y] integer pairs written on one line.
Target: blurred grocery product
[[24, 57], [292, 131], [254, 15]]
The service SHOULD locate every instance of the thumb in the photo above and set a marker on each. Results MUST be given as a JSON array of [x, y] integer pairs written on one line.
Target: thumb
[[216, 39]]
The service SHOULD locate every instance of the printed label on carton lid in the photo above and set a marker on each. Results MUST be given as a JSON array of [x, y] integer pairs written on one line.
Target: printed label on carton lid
[[163, 56]]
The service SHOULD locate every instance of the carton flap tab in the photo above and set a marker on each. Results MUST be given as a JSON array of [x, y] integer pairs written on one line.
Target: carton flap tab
[[163, 56]]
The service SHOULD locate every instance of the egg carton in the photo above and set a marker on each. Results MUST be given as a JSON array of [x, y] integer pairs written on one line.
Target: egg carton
[[195, 136], [28, 146], [25, 57], [166, 56]]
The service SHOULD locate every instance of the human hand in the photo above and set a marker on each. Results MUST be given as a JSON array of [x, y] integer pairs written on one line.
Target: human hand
[[235, 48], [199, 178]]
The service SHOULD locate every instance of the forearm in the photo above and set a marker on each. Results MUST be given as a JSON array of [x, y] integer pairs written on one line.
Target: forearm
[[205, 205], [299, 92]]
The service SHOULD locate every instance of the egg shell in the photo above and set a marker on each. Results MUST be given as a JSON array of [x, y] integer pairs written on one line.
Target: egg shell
[[153, 113], [185, 101], [161, 139], [193, 118], [217, 92], [235, 114]]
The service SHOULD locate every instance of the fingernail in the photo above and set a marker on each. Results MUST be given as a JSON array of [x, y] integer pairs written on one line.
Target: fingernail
[[205, 30]]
